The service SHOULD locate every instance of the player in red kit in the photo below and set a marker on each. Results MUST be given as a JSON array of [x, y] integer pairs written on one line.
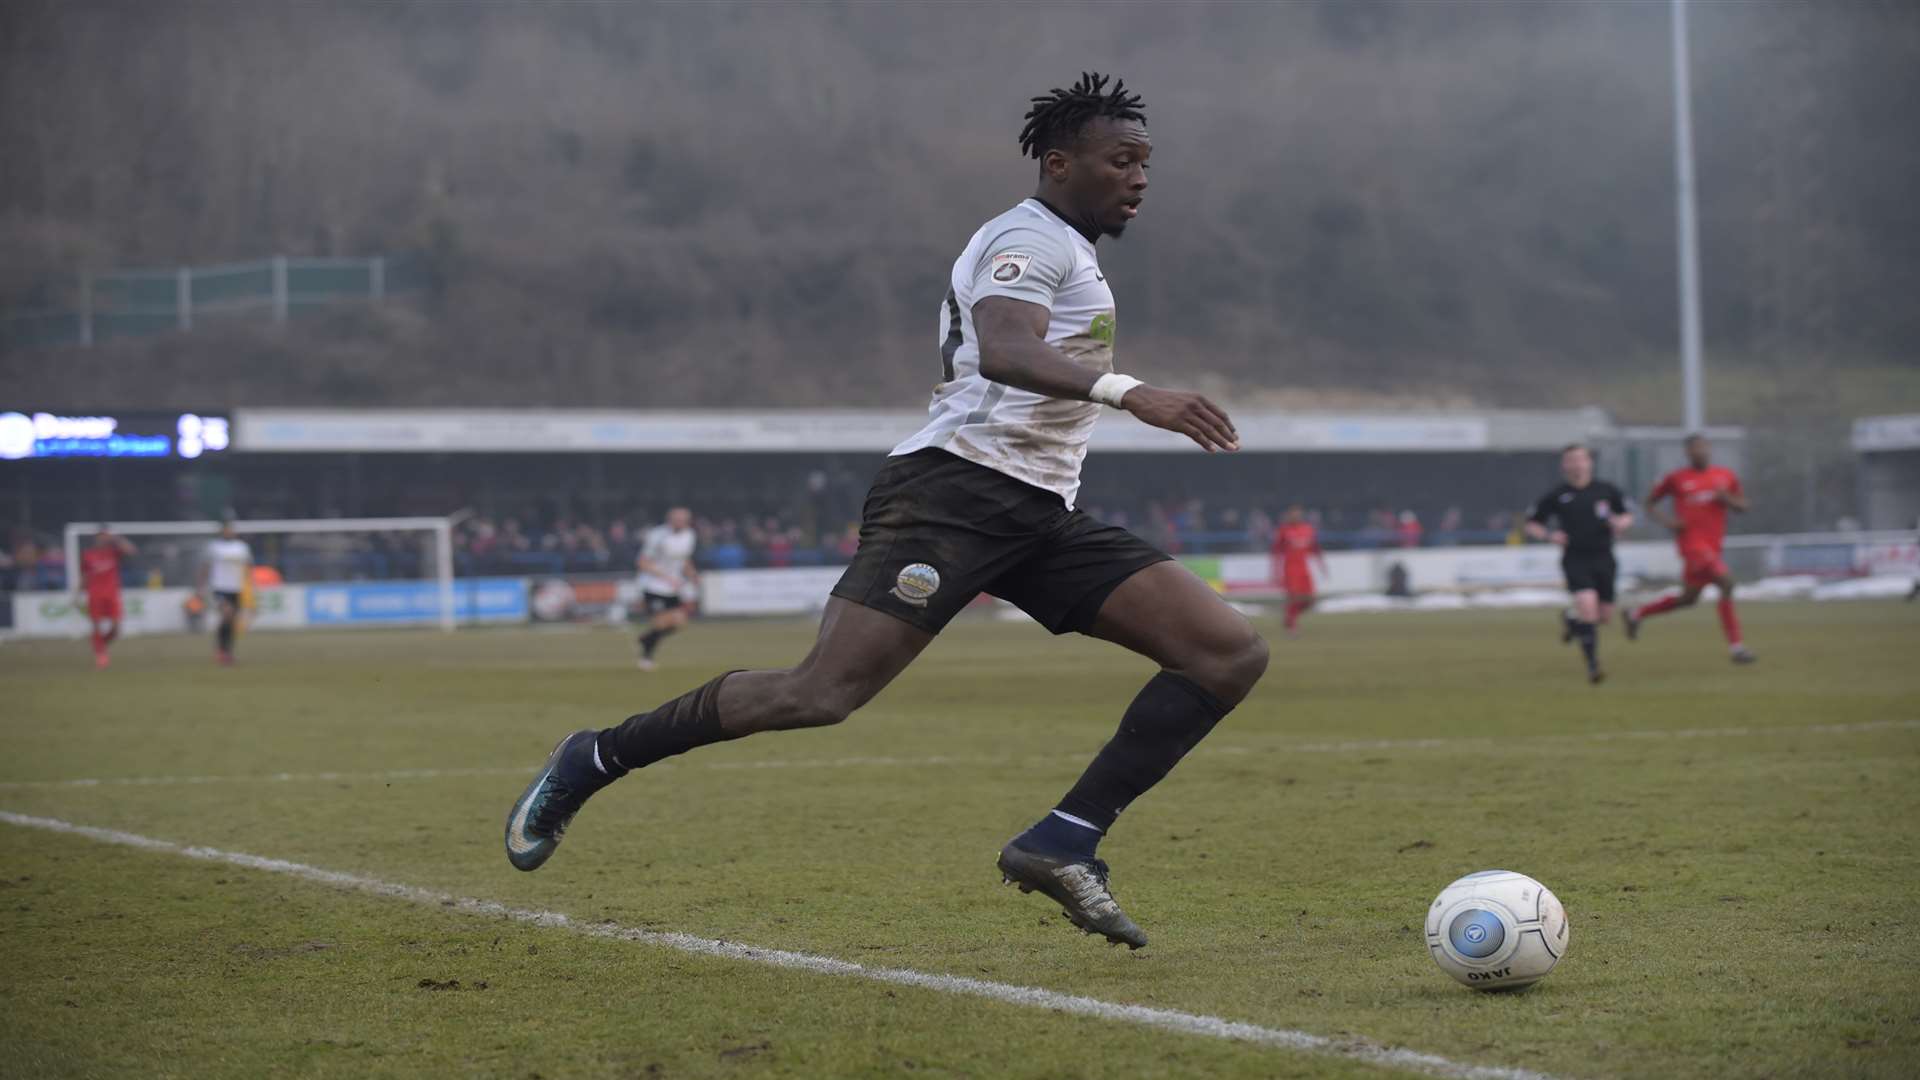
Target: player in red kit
[[100, 571], [1702, 493], [1293, 542]]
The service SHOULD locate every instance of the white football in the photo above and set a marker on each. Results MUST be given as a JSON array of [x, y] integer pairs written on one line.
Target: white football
[[1497, 930]]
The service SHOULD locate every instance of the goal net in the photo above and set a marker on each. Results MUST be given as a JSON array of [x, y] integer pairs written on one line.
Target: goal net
[[413, 554]]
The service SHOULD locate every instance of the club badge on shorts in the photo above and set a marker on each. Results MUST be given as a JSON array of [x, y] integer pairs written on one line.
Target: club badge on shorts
[[915, 583]]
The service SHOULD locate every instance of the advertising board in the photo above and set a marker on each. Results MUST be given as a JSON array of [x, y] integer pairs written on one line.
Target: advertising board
[[415, 603]]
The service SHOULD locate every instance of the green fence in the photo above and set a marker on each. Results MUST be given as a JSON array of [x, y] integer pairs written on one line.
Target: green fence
[[131, 303]]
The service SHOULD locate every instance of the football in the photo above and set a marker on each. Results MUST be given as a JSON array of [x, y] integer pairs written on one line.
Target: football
[[1496, 930]]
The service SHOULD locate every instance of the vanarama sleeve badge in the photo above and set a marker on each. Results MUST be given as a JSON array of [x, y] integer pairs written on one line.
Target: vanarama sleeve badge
[[1010, 266]]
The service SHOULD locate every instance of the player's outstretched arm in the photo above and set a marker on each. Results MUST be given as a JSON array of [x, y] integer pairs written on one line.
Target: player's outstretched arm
[[1619, 514], [1660, 513], [1185, 412], [1535, 527], [1014, 350]]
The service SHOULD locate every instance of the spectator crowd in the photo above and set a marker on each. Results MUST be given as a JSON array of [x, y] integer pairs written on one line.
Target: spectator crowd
[[531, 543], [523, 545]]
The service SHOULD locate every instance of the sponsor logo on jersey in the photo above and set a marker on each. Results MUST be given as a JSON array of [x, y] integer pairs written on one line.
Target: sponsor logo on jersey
[[1010, 266], [915, 583]]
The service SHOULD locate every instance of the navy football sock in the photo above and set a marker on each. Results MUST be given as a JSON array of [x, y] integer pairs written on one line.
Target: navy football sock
[[650, 641], [1589, 644], [1060, 833], [1169, 717], [688, 721]]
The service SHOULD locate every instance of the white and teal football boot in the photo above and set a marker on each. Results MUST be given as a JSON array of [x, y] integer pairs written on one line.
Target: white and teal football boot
[[540, 815]]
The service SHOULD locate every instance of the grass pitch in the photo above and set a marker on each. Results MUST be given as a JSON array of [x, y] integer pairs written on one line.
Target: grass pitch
[[1737, 849]]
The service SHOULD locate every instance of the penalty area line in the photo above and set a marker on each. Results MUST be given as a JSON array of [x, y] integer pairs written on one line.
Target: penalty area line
[[1346, 1048]]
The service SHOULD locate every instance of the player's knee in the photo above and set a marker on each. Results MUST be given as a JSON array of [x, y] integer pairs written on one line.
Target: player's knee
[[803, 705], [817, 714], [1231, 671], [1251, 663], [798, 709]]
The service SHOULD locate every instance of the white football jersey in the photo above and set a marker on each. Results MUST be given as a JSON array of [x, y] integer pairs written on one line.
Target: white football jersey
[[1027, 253], [671, 553], [227, 563]]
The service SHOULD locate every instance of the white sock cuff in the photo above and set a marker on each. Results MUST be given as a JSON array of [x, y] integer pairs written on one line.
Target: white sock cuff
[[1079, 821]]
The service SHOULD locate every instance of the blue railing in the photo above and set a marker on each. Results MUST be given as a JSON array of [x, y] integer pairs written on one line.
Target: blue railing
[[133, 303]]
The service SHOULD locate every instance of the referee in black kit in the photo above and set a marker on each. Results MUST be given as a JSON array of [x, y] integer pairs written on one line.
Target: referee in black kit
[[1586, 514]]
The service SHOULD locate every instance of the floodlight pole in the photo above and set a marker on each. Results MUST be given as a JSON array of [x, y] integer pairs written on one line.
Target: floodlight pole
[[1693, 403]]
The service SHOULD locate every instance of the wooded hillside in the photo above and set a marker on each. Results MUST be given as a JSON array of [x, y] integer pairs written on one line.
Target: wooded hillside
[[721, 204]]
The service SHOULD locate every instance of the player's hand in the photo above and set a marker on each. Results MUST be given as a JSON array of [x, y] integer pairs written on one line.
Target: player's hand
[[1181, 411], [1558, 537]]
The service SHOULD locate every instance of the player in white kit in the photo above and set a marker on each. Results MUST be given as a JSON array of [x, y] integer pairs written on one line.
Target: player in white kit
[[224, 573], [667, 580], [982, 500]]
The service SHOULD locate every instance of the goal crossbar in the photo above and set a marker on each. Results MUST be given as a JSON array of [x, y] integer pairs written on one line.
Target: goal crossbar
[[440, 527]]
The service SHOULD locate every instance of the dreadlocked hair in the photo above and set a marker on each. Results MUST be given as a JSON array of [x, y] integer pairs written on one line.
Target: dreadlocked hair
[[1057, 117]]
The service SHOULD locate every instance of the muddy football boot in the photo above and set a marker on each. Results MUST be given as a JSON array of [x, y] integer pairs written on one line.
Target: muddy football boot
[[1078, 885], [539, 817]]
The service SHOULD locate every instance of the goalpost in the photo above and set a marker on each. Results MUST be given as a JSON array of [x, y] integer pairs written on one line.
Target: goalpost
[[438, 531]]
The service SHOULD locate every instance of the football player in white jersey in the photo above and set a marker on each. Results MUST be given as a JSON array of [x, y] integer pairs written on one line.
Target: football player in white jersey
[[667, 579], [982, 500], [229, 561]]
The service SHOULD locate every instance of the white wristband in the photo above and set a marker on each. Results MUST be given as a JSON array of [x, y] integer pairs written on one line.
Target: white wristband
[[1108, 389]]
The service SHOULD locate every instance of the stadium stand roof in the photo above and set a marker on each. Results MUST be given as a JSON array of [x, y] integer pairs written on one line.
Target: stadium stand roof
[[854, 430]]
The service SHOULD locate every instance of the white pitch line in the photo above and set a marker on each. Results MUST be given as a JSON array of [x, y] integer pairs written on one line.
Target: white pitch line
[[265, 778], [1276, 749], [1349, 1048]]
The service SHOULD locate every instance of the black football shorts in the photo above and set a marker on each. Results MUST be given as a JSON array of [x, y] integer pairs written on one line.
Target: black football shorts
[[654, 603], [1586, 571], [939, 530]]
